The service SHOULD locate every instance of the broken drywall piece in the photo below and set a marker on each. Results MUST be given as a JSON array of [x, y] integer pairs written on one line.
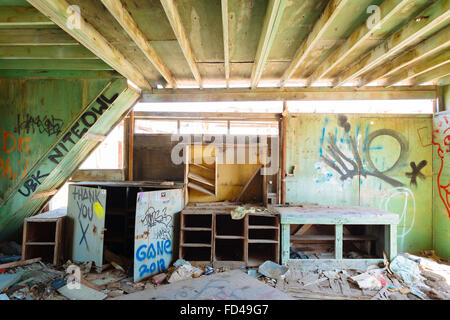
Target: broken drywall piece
[[367, 281], [83, 293], [272, 270], [8, 279], [406, 269]]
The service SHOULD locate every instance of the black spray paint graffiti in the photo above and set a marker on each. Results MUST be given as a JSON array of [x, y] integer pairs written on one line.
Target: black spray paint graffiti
[[49, 125], [85, 200], [88, 119], [155, 217], [347, 168], [416, 172], [32, 183]]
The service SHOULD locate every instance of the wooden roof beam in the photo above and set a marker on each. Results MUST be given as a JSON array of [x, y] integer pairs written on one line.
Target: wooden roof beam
[[426, 49], [175, 21], [389, 11], [431, 19], [281, 94], [415, 71], [124, 18], [87, 35], [17, 17], [332, 10], [226, 41], [432, 76], [275, 9]]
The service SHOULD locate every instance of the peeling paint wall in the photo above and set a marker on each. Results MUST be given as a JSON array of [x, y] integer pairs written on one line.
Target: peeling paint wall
[[381, 161], [44, 124], [441, 184]]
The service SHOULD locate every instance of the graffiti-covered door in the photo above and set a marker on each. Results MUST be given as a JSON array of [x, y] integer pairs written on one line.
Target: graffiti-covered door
[[154, 231], [86, 209]]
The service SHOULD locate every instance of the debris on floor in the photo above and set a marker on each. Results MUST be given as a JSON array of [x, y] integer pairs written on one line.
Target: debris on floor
[[407, 277], [272, 270], [431, 282], [230, 285]]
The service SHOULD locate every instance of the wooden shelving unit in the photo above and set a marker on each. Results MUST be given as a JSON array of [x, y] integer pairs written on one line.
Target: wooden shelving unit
[[198, 175], [43, 237], [227, 242]]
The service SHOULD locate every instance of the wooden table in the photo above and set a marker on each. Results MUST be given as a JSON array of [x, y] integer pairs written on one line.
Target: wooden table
[[337, 216]]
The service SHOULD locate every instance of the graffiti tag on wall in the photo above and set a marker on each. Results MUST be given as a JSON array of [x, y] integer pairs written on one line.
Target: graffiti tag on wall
[[14, 144], [68, 141], [48, 125], [441, 139]]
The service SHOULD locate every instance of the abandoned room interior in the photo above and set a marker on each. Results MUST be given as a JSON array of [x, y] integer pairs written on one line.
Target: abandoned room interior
[[225, 150]]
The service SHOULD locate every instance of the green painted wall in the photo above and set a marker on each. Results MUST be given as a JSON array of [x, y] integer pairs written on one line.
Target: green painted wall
[[365, 160], [44, 127], [441, 184]]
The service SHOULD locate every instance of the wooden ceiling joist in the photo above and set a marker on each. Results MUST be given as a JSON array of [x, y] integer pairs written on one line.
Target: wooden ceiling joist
[[175, 21], [427, 48], [86, 34], [388, 11], [428, 21], [226, 41], [19, 17], [415, 71], [431, 76], [124, 18], [277, 94], [35, 37], [325, 21], [274, 13], [45, 52]]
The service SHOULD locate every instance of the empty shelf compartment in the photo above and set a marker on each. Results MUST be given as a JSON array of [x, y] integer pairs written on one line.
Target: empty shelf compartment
[[260, 220], [263, 234], [196, 254], [229, 250], [259, 253], [197, 237], [225, 226], [197, 220]]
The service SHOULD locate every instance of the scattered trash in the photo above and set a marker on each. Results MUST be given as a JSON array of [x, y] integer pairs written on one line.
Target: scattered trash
[[406, 269], [272, 270], [8, 279], [185, 271], [3, 297], [180, 262], [367, 281], [297, 254], [159, 278], [208, 271], [240, 212], [83, 293], [58, 283]]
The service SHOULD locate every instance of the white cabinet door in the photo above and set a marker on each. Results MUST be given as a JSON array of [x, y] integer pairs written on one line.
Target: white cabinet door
[[154, 231], [86, 208]]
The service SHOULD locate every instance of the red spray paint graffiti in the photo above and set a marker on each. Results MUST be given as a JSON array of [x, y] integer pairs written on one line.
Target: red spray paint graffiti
[[441, 139], [12, 143]]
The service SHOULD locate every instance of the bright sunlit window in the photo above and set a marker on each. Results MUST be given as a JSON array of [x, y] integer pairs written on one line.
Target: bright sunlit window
[[234, 106], [155, 126], [269, 128], [109, 154], [362, 106], [203, 127]]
